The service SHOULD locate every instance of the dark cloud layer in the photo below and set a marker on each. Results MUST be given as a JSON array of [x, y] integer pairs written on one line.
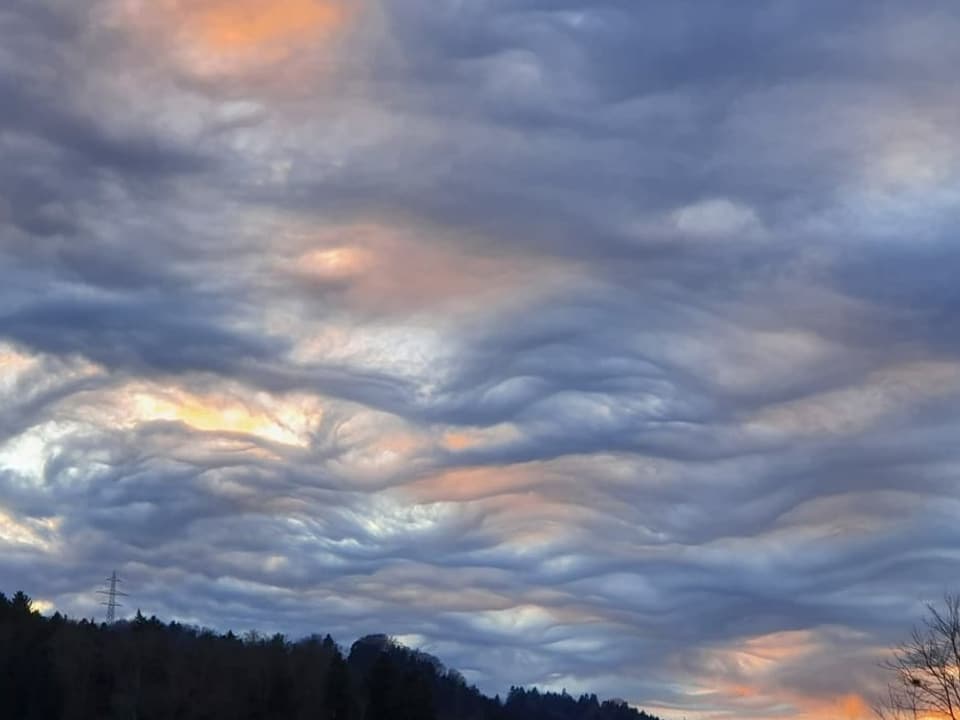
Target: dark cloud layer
[[608, 346]]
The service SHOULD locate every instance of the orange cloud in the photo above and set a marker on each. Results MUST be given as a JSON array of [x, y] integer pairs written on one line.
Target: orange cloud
[[768, 701], [12, 361], [756, 676], [13, 366], [336, 263], [853, 707], [244, 25], [844, 707], [457, 441], [387, 269], [279, 421], [460, 440], [228, 37], [467, 484]]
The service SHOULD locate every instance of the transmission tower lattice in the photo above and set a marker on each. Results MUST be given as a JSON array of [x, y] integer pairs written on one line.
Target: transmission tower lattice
[[112, 594]]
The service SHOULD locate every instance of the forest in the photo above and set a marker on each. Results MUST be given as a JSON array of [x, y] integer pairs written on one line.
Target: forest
[[54, 668]]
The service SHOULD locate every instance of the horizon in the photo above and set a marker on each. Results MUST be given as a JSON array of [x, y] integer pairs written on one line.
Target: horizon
[[608, 345], [255, 634]]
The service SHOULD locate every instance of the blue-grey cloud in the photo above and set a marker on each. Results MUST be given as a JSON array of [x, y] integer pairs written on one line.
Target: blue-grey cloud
[[608, 346]]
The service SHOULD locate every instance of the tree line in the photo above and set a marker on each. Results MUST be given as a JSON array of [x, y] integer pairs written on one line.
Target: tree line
[[57, 668]]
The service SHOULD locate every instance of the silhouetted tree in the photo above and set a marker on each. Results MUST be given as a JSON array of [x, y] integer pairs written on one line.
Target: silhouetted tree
[[925, 670], [338, 692]]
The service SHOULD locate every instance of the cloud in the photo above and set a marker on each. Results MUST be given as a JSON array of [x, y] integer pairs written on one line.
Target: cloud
[[715, 217], [608, 346]]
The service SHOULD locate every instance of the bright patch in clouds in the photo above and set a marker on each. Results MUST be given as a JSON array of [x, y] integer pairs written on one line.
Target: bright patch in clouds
[[240, 25], [227, 38], [717, 217], [13, 364], [282, 421], [36, 534]]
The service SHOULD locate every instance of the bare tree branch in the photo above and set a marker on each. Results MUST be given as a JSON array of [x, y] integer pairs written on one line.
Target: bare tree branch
[[925, 670]]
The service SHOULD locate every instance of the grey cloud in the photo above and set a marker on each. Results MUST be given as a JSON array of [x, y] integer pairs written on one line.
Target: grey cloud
[[134, 333], [732, 420]]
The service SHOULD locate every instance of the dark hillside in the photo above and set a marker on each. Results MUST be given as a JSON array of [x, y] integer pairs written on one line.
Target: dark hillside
[[60, 669]]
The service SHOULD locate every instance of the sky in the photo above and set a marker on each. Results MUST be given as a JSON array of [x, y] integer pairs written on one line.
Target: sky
[[607, 345]]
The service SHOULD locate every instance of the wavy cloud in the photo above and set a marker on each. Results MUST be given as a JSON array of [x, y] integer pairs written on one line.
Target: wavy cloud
[[609, 346]]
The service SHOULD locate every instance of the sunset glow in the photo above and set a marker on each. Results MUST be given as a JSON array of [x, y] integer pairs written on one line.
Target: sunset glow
[[242, 25], [279, 424], [599, 346]]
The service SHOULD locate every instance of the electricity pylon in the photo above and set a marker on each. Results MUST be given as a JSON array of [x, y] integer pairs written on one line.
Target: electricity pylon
[[112, 594]]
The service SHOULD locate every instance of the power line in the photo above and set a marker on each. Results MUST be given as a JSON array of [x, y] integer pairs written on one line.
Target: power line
[[112, 594]]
